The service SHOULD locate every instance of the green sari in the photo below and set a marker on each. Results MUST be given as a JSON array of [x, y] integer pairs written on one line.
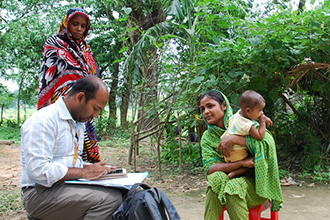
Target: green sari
[[242, 193]]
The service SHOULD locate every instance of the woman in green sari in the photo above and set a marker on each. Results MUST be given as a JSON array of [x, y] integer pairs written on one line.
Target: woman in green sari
[[255, 186]]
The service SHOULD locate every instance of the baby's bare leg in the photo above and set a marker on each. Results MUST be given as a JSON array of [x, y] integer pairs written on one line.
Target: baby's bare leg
[[237, 172]]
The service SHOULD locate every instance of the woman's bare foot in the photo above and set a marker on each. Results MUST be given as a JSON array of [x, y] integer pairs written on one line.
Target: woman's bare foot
[[231, 174], [237, 172]]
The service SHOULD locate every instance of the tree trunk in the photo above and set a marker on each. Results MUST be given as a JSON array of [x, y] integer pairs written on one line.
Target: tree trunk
[[149, 94], [180, 142], [18, 105], [24, 107], [301, 5], [201, 126], [142, 20], [2, 110], [149, 91], [18, 112], [124, 108], [112, 97]]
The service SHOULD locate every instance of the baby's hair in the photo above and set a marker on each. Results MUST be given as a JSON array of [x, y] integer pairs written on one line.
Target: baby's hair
[[250, 98], [217, 96]]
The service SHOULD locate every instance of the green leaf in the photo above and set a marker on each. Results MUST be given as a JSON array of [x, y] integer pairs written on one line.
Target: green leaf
[[127, 10], [276, 44], [190, 32], [197, 79], [273, 94], [255, 41], [235, 73], [118, 61], [123, 49], [176, 10]]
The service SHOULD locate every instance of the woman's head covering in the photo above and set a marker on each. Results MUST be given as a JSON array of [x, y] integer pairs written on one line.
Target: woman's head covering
[[64, 28]]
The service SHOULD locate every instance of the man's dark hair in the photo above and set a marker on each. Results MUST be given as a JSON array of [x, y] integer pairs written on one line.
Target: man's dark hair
[[217, 96], [87, 85]]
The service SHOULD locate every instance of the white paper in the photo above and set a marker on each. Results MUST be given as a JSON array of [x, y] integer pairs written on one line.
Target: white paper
[[124, 182]]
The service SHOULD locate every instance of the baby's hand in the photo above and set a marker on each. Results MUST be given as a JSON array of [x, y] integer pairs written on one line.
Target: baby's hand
[[269, 121], [264, 118]]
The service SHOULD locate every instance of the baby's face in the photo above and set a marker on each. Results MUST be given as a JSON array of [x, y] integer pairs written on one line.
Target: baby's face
[[257, 111]]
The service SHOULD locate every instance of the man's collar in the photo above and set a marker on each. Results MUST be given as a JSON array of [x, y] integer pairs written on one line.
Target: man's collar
[[63, 110]]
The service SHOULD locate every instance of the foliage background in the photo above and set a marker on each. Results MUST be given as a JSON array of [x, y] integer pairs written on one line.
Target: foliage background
[[158, 56]]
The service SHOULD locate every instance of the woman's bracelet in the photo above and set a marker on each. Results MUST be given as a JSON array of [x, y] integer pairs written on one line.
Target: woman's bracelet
[[262, 122]]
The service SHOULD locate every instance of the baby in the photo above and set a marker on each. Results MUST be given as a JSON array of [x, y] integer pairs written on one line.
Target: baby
[[244, 123]]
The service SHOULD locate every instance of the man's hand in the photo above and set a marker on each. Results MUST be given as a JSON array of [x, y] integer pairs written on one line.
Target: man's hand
[[96, 170], [90, 171]]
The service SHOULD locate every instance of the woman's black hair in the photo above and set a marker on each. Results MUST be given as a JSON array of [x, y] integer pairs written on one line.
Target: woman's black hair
[[216, 95]]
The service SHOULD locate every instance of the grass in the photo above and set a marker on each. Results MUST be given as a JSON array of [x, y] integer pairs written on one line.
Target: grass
[[11, 113], [10, 202], [10, 133]]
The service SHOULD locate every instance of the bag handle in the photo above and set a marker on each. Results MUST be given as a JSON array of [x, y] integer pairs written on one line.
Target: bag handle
[[172, 212], [118, 214], [135, 186]]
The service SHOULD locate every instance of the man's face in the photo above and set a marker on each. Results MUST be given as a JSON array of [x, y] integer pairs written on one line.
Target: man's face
[[86, 111]]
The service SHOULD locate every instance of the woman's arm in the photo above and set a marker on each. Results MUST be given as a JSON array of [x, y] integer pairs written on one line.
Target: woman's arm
[[225, 146], [228, 167], [213, 160]]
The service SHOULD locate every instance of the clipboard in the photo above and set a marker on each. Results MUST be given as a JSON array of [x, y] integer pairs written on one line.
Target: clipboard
[[123, 182]]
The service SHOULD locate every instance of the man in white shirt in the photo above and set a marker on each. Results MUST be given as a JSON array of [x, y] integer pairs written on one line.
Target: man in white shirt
[[52, 144]]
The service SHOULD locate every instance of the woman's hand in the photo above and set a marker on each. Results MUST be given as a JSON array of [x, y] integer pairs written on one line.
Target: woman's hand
[[248, 162], [227, 143]]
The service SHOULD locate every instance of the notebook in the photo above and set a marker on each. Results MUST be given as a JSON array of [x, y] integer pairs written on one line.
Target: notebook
[[125, 182]]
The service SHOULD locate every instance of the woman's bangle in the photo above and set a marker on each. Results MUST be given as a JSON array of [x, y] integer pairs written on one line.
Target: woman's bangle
[[262, 122]]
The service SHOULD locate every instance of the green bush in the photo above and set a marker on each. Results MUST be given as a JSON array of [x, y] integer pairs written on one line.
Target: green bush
[[318, 174], [301, 140], [12, 123], [190, 153]]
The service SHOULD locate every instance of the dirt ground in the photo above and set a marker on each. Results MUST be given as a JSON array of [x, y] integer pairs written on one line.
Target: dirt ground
[[185, 191]]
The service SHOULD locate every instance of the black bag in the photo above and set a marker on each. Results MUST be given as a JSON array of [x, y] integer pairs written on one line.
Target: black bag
[[146, 204]]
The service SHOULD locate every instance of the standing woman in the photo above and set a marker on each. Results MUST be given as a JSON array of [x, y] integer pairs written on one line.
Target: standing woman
[[254, 187], [67, 58]]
